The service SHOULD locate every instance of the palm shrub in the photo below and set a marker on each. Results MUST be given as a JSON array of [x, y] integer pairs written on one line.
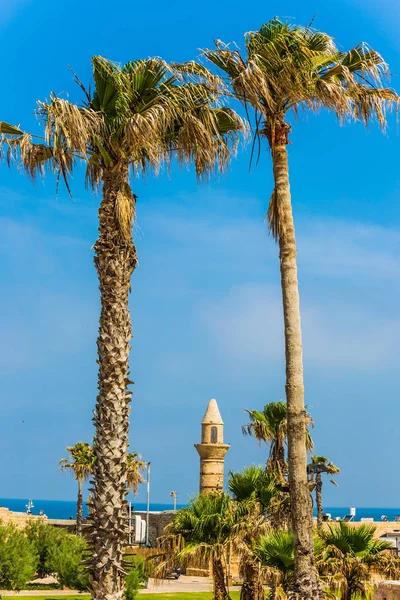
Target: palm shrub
[[351, 553], [136, 118], [275, 552], [283, 69], [18, 558]]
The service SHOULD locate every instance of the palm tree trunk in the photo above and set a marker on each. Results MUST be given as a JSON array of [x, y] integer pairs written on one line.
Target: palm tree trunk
[[220, 591], [318, 498], [305, 577], [115, 260], [79, 506], [252, 588]]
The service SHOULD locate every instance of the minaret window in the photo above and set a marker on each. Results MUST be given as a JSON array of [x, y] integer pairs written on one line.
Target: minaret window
[[214, 435]]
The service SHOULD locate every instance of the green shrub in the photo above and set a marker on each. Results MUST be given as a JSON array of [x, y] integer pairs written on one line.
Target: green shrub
[[18, 558], [135, 577], [42, 537], [65, 557]]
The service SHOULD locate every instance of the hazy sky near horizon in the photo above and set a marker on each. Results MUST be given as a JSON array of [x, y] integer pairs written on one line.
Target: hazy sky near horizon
[[205, 300]]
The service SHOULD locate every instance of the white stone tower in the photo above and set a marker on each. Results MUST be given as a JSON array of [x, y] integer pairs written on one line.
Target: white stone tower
[[212, 450]]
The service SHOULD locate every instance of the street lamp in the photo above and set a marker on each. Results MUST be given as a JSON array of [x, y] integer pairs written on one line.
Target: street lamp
[[314, 468], [148, 504], [173, 495]]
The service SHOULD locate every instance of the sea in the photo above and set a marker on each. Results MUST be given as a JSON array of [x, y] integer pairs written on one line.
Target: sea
[[64, 509]]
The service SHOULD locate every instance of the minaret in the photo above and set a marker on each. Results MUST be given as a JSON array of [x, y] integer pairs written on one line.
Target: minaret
[[212, 450]]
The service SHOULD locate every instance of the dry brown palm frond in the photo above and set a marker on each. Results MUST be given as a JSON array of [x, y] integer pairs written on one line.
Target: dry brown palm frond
[[125, 211], [68, 123]]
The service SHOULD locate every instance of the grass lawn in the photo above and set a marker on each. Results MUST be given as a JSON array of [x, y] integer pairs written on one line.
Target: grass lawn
[[170, 595]]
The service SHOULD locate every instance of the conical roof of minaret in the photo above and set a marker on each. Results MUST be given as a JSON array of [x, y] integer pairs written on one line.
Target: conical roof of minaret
[[212, 414]]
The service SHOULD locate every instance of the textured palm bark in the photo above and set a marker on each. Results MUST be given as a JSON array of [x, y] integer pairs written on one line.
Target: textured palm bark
[[115, 260], [79, 508], [318, 498], [252, 588], [220, 591], [305, 577]]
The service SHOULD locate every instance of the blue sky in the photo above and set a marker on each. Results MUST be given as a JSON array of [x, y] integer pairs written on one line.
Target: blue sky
[[205, 300]]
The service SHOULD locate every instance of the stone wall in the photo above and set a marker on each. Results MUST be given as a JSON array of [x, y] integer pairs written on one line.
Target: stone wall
[[387, 590], [7, 517], [157, 523]]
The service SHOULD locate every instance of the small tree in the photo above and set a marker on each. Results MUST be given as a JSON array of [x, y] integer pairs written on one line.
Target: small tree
[[17, 559], [41, 537], [65, 558]]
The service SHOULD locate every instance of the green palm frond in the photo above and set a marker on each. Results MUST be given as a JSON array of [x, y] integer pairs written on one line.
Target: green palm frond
[[284, 67], [7, 129], [139, 115]]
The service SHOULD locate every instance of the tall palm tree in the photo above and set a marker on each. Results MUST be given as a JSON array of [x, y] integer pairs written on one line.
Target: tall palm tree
[[81, 463], [135, 119], [134, 465], [351, 553], [283, 69], [330, 469]]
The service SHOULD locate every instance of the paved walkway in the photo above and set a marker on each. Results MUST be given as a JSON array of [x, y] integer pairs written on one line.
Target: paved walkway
[[183, 584]]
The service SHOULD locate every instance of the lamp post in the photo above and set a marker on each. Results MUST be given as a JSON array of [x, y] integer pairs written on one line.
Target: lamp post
[[174, 495], [314, 468], [148, 504]]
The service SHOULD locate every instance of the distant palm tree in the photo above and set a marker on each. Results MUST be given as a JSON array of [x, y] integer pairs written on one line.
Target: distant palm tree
[[81, 464], [351, 553], [134, 465], [270, 426], [331, 469], [136, 118], [286, 68]]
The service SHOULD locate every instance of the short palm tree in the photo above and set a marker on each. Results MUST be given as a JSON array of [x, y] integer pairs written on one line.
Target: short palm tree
[[205, 527], [81, 464], [257, 488], [134, 465], [276, 555], [285, 68], [136, 118], [330, 469], [253, 483], [275, 551], [350, 554]]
